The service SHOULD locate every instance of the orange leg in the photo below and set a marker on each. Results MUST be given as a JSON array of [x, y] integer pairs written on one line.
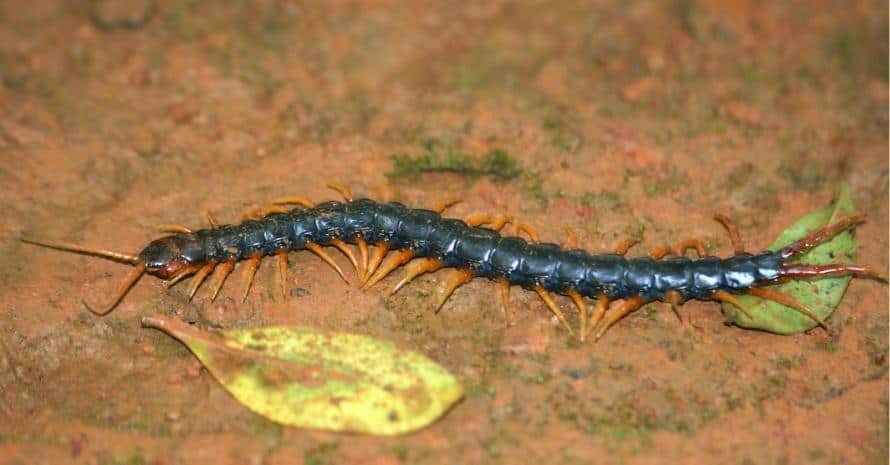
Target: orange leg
[[220, 275], [602, 304], [294, 200], [659, 252], [737, 245], [379, 252], [344, 247], [392, 262], [627, 306], [250, 266], [259, 212], [478, 218], [675, 299], [682, 246], [363, 252], [440, 205], [343, 190], [317, 250], [533, 235], [179, 276], [174, 228], [199, 278], [578, 300], [726, 297], [497, 223], [415, 269], [571, 238], [504, 290], [457, 279], [282, 272], [211, 220], [624, 245], [783, 299], [548, 299]]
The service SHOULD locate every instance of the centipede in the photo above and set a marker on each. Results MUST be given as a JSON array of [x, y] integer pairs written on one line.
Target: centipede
[[603, 287]]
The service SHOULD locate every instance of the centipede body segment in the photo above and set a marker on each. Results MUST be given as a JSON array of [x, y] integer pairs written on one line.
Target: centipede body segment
[[426, 241]]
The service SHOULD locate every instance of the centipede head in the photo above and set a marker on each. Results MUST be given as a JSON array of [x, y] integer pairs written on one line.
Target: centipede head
[[170, 257]]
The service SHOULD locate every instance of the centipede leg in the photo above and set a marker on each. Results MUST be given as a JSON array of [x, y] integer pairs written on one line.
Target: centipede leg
[[726, 297], [626, 307], [199, 278], [294, 200], [551, 304], [211, 220], [343, 190], [737, 245], [477, 218], [571, 238], [377, 256], [602, 304], [417, 268], [682, 246], [363, 252], [504, 291], [457, 279], [578, 300], [659, 252], [786, 300], [174, 228], [530, 230], [675, 299], [440, 205], [317, 250], [624, 245], [250, 266], [392, 262], [182, 274], [344, 248], [220, 275], [282, 272]]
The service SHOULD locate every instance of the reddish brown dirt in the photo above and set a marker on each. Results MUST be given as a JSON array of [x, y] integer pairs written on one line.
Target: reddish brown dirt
[[627, 118]]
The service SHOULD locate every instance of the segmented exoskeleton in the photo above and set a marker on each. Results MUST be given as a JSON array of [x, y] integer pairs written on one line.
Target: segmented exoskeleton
[[473, 251]]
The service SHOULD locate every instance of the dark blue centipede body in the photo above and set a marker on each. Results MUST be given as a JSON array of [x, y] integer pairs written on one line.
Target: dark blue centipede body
[[483, 251]]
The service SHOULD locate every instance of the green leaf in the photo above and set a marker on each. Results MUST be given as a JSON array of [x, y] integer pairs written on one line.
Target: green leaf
[[314, 379], [820, 295]]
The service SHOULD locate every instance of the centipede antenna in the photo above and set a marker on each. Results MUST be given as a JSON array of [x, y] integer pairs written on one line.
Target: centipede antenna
[[783, 299], [737, 245], [122, 290], [819, 236], [68, 247], [343, 190]]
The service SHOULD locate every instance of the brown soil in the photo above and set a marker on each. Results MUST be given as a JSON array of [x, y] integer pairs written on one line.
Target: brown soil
[[626, 118]]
